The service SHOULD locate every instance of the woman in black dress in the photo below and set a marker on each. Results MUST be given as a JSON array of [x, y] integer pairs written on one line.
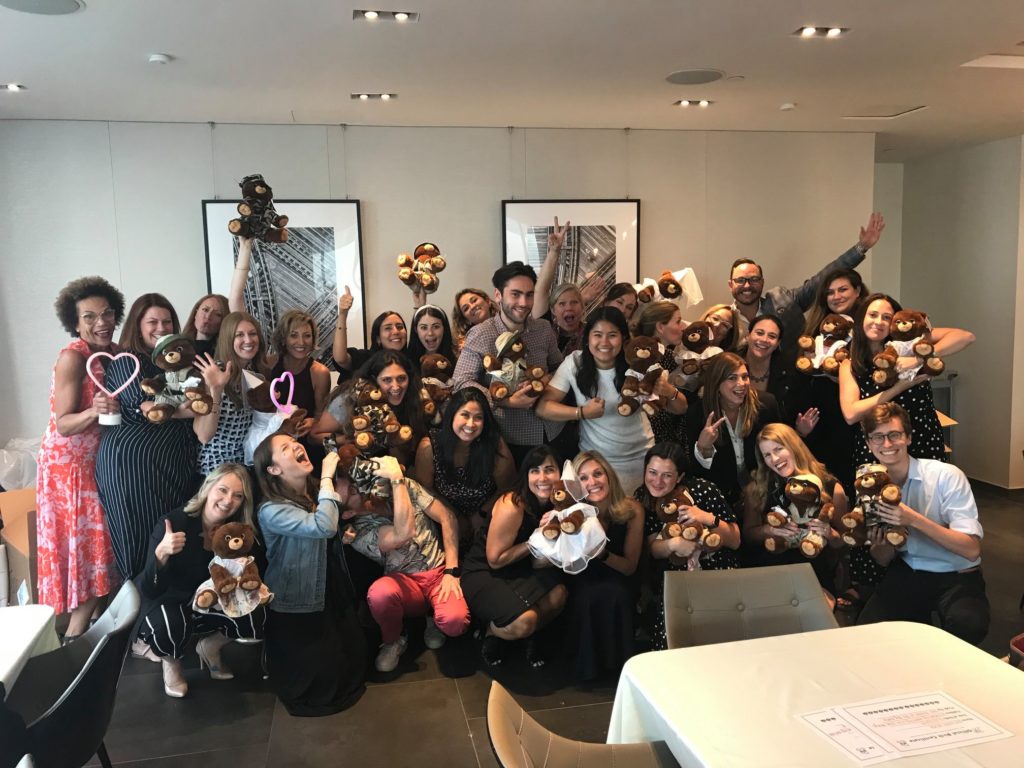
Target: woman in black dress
[[465, 461], [663, 321], [662, 475], [143, 470], [502, 583], [602, 597]]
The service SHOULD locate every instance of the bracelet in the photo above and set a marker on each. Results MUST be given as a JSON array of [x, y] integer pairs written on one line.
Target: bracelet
[[579, 413], [395, 481]]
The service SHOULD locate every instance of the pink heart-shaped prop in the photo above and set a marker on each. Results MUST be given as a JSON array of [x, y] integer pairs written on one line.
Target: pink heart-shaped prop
[[286, 408], [96, 355]]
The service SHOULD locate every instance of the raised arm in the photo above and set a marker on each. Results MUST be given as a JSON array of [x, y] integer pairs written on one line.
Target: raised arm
[[236, 293], [339, 348], [546, 277], [949, 341], [869, 236]]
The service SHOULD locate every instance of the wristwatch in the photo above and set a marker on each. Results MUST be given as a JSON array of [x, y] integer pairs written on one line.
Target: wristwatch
[[714, 523], [456, 572], [397, 481]]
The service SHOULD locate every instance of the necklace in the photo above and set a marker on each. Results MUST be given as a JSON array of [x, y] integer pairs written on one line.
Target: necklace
[[759, 379]]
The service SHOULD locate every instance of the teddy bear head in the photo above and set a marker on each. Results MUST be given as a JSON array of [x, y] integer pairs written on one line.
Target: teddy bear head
[[645, 294], [510, 346], [836, 326], [435, 366], [232, 539], [698, 336], [669, 286], [642, 352], [804, 490], [668, 509], [255, 187], [174, 352], [560, 496], [368, 393], [908, 324], [870, 479]]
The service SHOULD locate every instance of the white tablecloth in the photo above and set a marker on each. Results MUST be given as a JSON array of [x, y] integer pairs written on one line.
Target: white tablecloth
[[736, 704], [25, 631]]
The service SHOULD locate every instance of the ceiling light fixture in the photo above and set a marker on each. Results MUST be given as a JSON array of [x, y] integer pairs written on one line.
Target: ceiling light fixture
[[14, 87], [692, 103], [373, 96], [364, 96], [704, 102], [830, 33], [160, 58], [684, 103], [402, 17], [385, 97]]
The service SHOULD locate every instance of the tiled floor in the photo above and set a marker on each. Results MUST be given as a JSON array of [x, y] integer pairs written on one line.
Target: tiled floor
[[432, 712]]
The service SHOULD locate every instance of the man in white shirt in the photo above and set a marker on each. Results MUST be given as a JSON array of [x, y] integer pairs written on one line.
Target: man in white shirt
[[939, 568]]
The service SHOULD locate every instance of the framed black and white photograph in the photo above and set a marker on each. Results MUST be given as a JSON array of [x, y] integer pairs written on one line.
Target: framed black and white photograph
[[602, 244], [322, 255]]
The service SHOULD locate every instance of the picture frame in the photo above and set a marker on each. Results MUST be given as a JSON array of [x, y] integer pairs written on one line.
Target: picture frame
[[323, 254], [603, 241]]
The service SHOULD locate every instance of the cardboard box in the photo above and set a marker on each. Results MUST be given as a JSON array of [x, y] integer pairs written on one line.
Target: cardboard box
[[18, 511]]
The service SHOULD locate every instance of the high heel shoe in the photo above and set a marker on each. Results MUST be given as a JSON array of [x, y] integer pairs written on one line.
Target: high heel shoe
[[175, 684], [210, 658]]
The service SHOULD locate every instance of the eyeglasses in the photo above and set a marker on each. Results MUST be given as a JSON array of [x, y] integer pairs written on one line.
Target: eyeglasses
[[742, 281], [89, 318], [879, 438]]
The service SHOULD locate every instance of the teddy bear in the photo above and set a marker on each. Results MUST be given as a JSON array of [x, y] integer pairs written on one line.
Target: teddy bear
[[692, 355], [667, 513], [180, 381], [259, 400], [909, 336], [375, 425], [823, 353], [508, 368], [643, 356], [871, 485], [232, 567], [420, 270], [561, 500], [645, 293], [258, 217], [669, 287], [806, 500], [436, 375]]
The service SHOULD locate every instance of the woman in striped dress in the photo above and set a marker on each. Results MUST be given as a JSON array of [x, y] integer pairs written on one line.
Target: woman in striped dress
[[143, 470]]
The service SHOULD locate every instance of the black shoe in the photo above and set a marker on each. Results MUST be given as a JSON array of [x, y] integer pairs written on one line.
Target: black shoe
[[534, 654], [492, 651]]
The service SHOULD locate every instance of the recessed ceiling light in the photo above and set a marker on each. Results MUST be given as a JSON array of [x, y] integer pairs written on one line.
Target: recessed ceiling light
[[704, 102], [364, 96], [373, 96], [695, 76], [787, 107], [385, 96], [830, 33], [403, 17], [160, 58], [692, 102], [14, 87], [684, 103]]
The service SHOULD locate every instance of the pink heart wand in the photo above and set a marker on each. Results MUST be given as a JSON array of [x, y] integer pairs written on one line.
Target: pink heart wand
[[286, 408], [111, 419]]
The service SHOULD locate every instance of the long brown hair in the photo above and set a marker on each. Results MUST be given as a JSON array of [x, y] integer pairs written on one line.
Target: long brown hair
[[719, 369], [820, 308], [764, 481], [131, 336], [225, 352], [272, 488], [646, 320], [460, 327], [190, 324], [732, 339]]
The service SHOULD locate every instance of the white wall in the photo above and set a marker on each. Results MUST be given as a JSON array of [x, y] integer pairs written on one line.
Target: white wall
[[886, 257], [962, 263], [123, 200]]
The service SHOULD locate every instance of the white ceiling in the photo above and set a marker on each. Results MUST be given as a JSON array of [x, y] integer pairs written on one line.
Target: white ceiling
[[528, 63]]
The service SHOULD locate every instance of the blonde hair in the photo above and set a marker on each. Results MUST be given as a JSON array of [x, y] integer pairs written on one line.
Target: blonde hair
[[645, 322], [763, 480], [620, 507], [720, 367], [291, 320], [732, 340], [195, 506]]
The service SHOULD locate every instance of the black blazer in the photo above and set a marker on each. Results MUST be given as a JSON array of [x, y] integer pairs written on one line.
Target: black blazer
[[723, 466]]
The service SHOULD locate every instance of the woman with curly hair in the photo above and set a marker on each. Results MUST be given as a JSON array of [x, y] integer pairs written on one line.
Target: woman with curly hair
[[472, 306], [76, 559]]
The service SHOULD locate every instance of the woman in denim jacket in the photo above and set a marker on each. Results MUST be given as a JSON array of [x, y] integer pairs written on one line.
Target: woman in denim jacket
[[316, 650]]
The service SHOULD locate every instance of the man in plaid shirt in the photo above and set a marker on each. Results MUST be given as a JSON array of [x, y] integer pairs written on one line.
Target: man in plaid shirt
[[514, 286]]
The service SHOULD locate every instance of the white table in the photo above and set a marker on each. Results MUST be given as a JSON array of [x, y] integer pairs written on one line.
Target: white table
[[736, 704], [25, 631]]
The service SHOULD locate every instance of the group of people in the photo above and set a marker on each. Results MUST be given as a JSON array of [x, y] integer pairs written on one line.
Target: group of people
[[438, 525]]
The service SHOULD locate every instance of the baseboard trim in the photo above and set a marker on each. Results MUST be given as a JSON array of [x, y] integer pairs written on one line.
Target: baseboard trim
[[1013, 494]]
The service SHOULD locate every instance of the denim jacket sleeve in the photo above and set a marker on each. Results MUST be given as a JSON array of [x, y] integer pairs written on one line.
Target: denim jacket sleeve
[[287, 519]]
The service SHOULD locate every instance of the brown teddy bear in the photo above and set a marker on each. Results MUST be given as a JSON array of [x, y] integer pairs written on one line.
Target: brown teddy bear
[[374, 424], [668, 514], [561, 500], [258, 399], [231, 567], [643, 356], [508, 368], [871, 485], [807, 500], [669, 287], [823, 353], [180, 381], [436, 375], [420, 270], [258, 218], [909, 336], [697, 348]]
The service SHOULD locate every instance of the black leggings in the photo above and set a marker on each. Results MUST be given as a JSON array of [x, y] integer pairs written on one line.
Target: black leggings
[[908, 595], [168, 628]]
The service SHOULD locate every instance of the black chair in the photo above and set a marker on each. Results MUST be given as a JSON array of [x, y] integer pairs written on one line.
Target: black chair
[[67, 696]]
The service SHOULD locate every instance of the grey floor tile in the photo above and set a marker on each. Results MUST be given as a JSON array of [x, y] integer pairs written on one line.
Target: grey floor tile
[[482, 743], [456, 658], [533, 689], [419, 723]]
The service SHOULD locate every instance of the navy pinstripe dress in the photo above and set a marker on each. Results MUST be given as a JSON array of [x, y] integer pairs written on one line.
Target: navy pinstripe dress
[[143, 470]]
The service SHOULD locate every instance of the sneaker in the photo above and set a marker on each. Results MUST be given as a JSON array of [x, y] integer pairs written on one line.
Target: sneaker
[[387, 658], [433, 637], [141, 650]]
